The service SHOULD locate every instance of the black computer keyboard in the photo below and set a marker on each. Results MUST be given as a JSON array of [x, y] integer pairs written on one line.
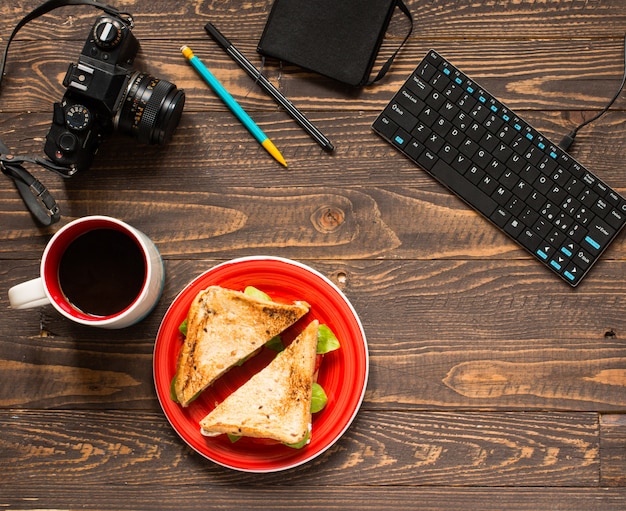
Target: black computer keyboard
[[504, 168]]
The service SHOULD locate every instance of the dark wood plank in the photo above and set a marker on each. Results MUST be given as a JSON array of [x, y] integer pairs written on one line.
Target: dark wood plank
[[239, 497], [612, 442], [567, 75], [463, 19], [389, 448]]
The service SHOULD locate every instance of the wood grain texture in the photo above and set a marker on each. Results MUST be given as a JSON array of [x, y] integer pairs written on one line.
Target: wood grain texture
[[381, 448], [242, 497], [549, 78], [612, 440], [492, 385]]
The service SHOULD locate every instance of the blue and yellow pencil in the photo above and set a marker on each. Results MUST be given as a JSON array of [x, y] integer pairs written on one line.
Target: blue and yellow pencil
[[234, 107]]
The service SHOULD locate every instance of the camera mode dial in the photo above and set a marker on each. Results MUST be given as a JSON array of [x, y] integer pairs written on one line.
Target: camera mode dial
[[77, 117], [108, 33]]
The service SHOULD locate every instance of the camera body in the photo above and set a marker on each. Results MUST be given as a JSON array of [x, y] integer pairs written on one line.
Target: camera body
[[104, 94]]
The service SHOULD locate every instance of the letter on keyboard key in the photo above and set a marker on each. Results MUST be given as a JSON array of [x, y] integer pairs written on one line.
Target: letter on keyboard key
[[462, 187]]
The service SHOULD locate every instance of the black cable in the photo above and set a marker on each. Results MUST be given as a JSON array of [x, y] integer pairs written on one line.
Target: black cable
[[568, 140]]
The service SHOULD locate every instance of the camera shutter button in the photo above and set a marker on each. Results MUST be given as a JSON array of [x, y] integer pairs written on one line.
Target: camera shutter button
[[67, 142]]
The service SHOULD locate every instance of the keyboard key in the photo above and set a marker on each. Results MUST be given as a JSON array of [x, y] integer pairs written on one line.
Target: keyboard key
[[529, 239], [514, 227], [544, 251], [426, 71], [461, 163], [385, 126], [457, 183], [573, 273], [600, 233], [419, 86], [500, 217], [401, 116], [434, 142], [410, 101], [615, 218], [413, 149], [427, 159], [582, 259], [401, 138]]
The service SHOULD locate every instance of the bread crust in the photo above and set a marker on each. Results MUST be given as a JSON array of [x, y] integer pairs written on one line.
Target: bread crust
[[223, 327], [276, 402]]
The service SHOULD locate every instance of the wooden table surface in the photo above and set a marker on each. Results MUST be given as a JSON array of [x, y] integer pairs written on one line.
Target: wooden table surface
[[492, 385]]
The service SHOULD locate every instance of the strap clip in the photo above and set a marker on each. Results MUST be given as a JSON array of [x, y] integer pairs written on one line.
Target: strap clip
[[35, 195]]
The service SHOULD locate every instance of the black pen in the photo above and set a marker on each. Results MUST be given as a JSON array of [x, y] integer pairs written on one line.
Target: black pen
[[267, 86]]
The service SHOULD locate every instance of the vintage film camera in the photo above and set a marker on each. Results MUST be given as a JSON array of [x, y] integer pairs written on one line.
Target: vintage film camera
[[104, 94]]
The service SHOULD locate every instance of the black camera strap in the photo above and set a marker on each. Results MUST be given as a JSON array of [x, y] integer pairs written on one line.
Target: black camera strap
[[35, 195]]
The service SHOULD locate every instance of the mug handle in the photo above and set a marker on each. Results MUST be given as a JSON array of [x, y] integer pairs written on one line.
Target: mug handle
[[28, 294]]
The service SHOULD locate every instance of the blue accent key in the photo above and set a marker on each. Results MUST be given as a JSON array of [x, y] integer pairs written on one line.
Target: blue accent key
[[592, 242]]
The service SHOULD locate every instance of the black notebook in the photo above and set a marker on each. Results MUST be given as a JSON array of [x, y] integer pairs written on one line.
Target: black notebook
[[336, 38]]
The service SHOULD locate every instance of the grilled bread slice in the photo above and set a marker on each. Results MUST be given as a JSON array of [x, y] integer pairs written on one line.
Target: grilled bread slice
[[224, 327], [276, 402]]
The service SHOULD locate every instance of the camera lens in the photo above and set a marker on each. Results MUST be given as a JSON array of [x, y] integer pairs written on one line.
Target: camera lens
[[151, 109]]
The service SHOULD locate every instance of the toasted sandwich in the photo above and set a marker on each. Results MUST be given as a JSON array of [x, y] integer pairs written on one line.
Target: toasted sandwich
[[276, 402], [223, 328]]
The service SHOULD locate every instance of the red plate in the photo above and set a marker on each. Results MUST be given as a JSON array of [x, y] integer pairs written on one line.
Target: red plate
[[343, 373]]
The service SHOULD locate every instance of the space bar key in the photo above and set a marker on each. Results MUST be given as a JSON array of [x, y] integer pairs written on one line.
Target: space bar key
[[469, 192]]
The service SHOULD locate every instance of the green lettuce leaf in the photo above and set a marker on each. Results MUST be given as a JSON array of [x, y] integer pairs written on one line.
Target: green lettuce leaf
[[256, 293], [183, 328], [326, 340], [302, 443], [319, 399]]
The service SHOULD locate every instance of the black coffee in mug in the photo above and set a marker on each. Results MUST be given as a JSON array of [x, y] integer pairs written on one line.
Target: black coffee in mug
[[102, 272]]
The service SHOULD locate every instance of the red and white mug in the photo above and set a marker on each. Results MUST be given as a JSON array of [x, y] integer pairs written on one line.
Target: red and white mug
[[96, 271]]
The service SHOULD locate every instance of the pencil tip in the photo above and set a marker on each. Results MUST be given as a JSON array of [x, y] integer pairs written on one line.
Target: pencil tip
[[273, 150]]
